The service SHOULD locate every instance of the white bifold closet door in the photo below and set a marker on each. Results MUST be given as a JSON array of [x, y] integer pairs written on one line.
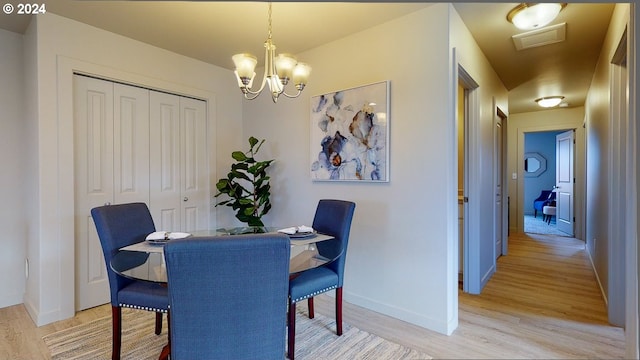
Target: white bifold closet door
[[134, 145], [179, 160], [111, 166]]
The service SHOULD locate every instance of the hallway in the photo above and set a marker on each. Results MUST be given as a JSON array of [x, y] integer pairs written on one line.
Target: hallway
[[543, 302]]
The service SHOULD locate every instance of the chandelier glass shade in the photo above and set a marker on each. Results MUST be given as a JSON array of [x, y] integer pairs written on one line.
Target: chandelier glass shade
[[278, 71], [529, 16]]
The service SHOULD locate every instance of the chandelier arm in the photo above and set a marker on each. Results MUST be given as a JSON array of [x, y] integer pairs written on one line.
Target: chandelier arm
[[291, 96], [255, 92], [255, 95], [264, 80]]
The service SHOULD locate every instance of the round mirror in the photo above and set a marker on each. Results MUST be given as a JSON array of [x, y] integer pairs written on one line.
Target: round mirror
[[534, 164]]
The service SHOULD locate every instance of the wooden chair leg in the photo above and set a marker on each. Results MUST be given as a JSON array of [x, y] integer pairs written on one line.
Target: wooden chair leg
[[339, 311], [116, 318], [165, 354], [291, 331], [158, 323], [311, 309]]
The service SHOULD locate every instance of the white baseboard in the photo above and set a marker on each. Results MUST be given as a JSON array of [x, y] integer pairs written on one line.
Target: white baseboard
[[445, 328]]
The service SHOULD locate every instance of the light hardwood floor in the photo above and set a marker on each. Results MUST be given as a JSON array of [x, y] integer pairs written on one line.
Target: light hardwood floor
[[543, 302]]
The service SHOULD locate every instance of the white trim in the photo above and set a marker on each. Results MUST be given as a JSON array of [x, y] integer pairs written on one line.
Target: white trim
[[632, 215]]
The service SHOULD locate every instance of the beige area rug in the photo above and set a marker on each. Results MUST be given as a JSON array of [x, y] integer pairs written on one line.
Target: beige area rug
[[315, 339]]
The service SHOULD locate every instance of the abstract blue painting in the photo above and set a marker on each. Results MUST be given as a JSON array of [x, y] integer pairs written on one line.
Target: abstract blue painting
[[350, 134]]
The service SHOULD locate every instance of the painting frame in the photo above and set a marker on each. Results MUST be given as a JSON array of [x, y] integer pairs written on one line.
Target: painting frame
[[349, 134]]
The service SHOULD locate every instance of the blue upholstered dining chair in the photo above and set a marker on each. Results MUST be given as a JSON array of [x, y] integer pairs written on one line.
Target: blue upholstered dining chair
[[118, 226], [228, 296], [332, 217]]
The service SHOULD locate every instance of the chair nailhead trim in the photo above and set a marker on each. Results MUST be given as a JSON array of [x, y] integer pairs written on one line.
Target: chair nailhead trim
[[143, 308], [315, 293]]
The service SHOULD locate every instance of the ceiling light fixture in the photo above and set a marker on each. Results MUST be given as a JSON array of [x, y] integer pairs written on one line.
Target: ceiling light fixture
[[528, 16], [549, 101], [277, 71]]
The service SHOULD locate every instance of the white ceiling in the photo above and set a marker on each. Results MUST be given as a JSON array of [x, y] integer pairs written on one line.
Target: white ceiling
[[213, 31]]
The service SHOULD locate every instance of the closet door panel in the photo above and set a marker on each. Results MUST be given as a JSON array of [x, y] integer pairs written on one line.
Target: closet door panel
[[165, 203], [93, 173], [131, 144], [194, 174]]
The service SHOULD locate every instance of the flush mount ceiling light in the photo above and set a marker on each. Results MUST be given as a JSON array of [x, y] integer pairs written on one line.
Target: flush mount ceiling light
[[277, 71], [549, 101], [528, 16]]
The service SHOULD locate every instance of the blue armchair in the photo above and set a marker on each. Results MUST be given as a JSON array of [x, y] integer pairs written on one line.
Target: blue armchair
[[545, 198], [228, 296]]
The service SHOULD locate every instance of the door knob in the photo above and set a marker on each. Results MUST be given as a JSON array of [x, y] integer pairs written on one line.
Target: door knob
[[107, 203], [185, 199]]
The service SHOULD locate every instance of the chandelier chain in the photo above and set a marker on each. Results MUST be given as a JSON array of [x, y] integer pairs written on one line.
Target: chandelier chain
[[269, 20]]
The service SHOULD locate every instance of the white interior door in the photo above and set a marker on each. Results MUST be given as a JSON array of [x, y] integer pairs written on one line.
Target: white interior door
[[93, 142], [165, 161], [130, 144], [179, 163], [111, 135], [565, 181], [194, 178]]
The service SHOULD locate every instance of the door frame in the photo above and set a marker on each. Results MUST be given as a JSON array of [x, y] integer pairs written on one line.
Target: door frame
[[579, 173], [501, 117], [472, 278]]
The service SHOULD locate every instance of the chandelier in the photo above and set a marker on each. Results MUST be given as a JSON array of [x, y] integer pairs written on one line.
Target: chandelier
[[278, 71]]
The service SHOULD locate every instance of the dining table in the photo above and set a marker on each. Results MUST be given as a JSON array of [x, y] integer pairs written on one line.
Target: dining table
[[145, 260]]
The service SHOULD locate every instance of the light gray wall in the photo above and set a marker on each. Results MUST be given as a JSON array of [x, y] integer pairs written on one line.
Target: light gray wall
[[484, 101], [606, 252], [403, 250], [12, 191]]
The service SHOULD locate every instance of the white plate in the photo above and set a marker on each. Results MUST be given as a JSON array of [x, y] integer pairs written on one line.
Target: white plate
[[158, 241], [303, 235]]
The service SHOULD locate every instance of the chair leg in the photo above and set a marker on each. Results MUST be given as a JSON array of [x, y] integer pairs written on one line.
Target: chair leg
[[535, 213], [339, 311], [311, 309], [291, 331], [116, 317], [158, 323], [165, 354]]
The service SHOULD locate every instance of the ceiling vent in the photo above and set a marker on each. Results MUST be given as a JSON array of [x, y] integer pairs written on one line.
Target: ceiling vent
[[540, 37]]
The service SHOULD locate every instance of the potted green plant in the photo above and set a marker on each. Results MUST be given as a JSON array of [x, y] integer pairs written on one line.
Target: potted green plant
[[247, 185]]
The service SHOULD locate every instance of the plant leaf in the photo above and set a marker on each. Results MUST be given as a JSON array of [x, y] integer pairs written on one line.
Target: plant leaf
[[238, 156]]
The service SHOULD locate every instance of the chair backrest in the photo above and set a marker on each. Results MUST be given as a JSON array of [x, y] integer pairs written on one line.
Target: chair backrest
[[544, 195], [120, 225], [333, 217], [228, 296]]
